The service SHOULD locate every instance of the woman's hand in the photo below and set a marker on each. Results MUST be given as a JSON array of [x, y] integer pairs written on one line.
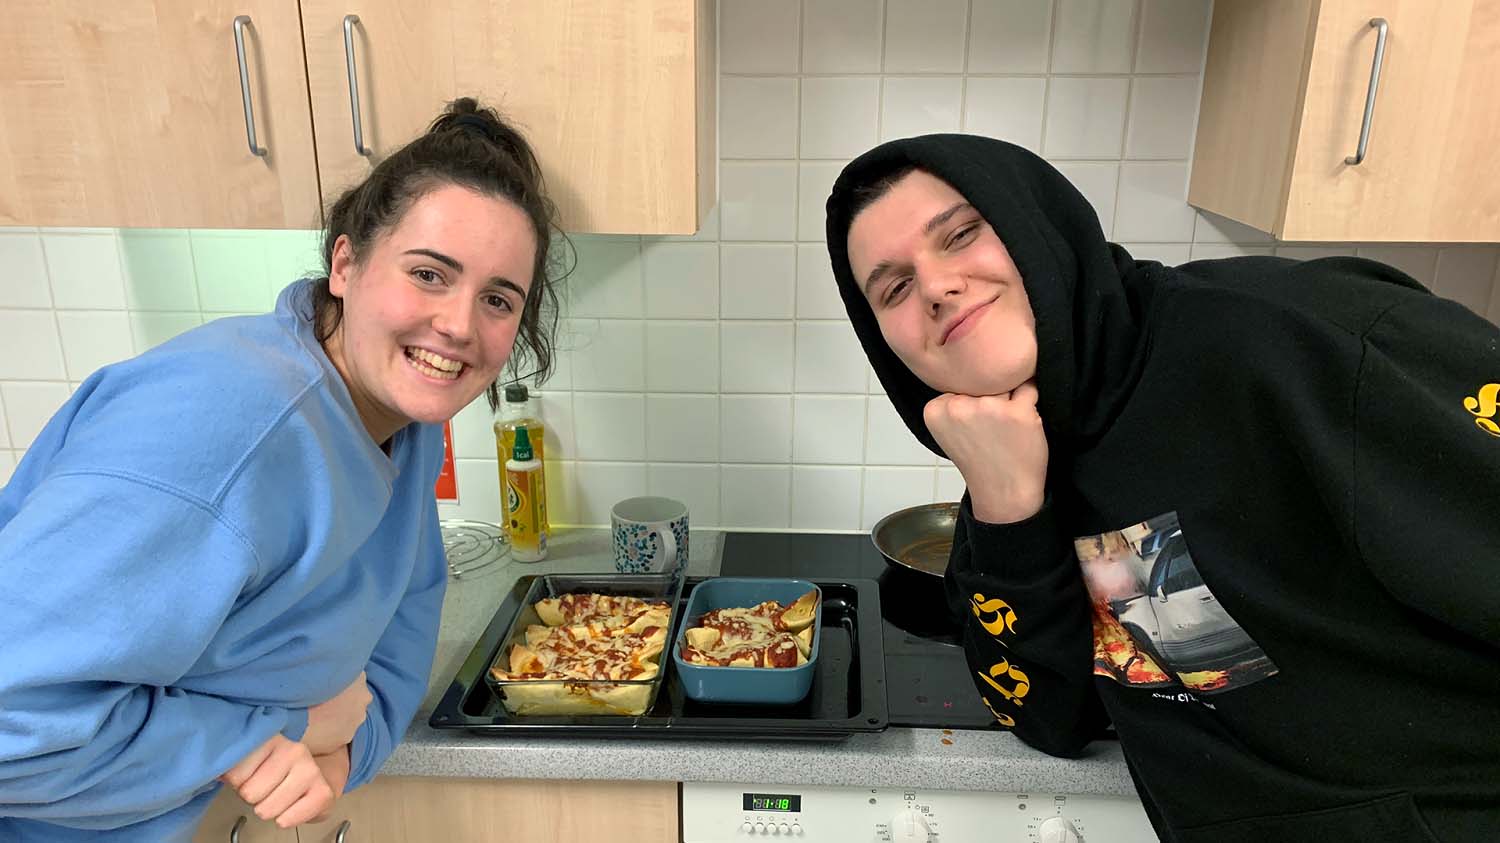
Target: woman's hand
[[283, 782], [998, 445], [335, 767], [332, 724]]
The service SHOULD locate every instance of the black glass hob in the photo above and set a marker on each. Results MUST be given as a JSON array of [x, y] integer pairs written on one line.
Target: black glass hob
[[928, 683]]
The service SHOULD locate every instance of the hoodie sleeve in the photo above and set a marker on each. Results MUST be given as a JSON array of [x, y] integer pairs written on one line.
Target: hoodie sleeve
[[399, 668], [1426, 483], [110, 589], [1028, 633]]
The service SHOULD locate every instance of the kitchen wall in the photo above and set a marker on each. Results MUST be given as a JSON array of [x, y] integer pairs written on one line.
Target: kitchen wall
[[719, 368]]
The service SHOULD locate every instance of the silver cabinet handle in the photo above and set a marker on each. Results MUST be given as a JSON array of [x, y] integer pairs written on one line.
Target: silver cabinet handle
[[239, 53], [359, 132], [234, 833], [1364, 127], [343, 830]]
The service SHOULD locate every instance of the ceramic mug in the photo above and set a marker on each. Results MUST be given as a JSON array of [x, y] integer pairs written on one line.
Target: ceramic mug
[[650, 536]]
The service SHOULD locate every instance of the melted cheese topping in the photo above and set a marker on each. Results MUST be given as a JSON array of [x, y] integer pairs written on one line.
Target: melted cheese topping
[[603, 637], [746, 638]]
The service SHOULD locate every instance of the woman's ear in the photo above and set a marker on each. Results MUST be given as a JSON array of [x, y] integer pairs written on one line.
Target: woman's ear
[[341, 267]]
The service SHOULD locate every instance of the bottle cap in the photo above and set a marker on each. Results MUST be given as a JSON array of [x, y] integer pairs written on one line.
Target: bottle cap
[[522, 450], [516, 393]]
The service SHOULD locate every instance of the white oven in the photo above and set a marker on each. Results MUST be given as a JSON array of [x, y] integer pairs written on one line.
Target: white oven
[[737, 813]]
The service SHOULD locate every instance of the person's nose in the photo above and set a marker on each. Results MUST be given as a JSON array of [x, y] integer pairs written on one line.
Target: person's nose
[[454, 318], [939, 285]]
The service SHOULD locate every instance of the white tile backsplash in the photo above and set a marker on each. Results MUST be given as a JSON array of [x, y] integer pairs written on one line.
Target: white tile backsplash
[[85, 270], [817, 293], [719, 368], [757, 280], [610, 355], [682, 428], [1010, 36], [839, 116], [828, 429], [841, 36], [1152, 203], [759, 36], [758, 117], [1174, 36], [23, 271], [888, 440], [607, 282], [1008, 108], [1093, 36], [814, 184], [600, 485], [920, 105], [829, 358], [93, 339], [1163, 114], [757, 200], [925, 36], [755, 496], [1099, 183], [756, 356], [695, 484], [29, 346], [825, 497], [755, 428], [1085, 116], [682, 280], [887, 490], [609, 426], [682, 356]]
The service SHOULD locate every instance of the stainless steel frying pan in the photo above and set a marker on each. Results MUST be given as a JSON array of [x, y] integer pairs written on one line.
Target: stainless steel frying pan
[[918, 538]]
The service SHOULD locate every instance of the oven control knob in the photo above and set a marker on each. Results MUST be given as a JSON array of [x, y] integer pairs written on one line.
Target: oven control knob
[[910, 827], [760, 828], [797, 829], [772, 829], [1058, 830], [747, 827], [785, 829]]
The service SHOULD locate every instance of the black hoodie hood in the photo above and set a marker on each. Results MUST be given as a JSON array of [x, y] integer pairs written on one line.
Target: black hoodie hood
[[1087, 294]]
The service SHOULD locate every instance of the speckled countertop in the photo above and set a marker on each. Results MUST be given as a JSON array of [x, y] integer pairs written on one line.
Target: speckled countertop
[[925, 758]]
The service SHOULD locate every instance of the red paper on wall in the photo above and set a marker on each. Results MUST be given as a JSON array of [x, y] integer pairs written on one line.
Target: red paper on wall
[[447, 482]]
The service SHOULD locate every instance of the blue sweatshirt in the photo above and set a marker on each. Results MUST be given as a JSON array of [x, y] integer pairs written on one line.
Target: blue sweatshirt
[[203, 543]]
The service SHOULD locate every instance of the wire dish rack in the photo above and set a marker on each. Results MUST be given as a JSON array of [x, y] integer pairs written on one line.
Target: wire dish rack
[[473, 546]]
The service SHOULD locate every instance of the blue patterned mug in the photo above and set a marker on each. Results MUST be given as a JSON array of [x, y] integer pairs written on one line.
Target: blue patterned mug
[[650, 536]]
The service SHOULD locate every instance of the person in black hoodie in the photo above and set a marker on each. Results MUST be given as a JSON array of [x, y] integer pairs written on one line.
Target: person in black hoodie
[[1247, 510]]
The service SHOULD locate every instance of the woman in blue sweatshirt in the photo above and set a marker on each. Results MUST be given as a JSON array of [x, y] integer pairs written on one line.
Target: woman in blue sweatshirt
[[220, 560]]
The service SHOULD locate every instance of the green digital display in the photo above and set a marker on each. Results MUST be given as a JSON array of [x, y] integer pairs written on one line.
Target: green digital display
[[772, 802]]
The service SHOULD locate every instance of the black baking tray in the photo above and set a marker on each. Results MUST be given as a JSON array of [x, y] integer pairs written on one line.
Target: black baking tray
[[847, 696]]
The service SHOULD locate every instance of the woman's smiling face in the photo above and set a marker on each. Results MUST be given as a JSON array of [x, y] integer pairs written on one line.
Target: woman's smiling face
[[431, 310]]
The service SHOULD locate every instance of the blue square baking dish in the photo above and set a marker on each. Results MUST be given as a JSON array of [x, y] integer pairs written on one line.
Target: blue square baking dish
[[746, 685]]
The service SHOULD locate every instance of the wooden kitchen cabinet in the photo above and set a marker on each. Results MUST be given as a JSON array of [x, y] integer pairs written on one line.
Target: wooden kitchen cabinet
[[225, 815], [616, 97], [130, 113], [398, 810], [1284, 95]]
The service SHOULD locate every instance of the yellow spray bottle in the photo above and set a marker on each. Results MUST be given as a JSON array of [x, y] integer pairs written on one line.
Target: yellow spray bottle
[[525, 502]]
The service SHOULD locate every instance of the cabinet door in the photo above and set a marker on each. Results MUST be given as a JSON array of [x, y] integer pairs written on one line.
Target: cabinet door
[[612, 94], [130, 113], [398, 810], [1428, 174], [222, 824]]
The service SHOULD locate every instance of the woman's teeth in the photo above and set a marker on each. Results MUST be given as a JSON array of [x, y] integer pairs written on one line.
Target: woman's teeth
[[433, 365]]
